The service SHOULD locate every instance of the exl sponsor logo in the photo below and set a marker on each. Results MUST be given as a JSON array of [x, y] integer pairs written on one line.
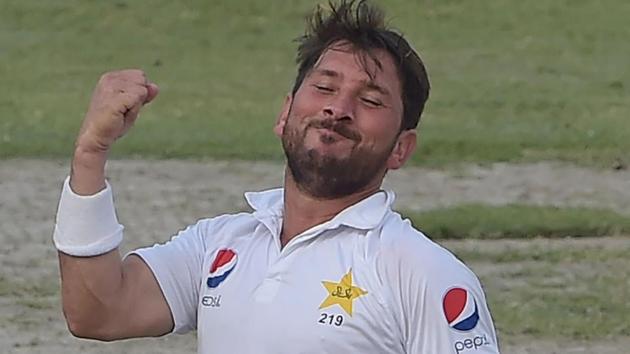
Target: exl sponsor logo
[[211, 301]]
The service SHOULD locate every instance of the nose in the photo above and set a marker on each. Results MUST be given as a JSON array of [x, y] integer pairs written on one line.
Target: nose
[[339, 107]]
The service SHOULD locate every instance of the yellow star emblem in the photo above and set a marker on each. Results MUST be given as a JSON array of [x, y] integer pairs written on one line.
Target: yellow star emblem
[[342, 293]]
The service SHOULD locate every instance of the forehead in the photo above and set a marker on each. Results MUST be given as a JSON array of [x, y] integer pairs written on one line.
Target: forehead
[[377, 66]]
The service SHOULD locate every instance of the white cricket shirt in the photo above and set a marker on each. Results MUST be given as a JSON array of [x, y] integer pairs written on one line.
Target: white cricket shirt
[[364, 282]]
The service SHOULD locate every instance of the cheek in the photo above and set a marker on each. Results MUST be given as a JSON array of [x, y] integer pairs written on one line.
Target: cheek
[[305, 107], [379, 130], [306, 103]]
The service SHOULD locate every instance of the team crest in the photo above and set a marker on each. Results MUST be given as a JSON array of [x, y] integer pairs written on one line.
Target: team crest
[[342, 293], [223, 264]]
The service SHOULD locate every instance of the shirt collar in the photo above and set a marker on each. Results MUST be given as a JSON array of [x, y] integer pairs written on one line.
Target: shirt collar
[[366, 214], [269, 202]]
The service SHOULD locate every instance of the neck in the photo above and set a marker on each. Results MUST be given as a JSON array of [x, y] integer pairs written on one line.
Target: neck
[[303, 211]]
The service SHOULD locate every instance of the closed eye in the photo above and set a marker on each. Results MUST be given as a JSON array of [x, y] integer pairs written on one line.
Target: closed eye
[[323, 88], [371, 102]]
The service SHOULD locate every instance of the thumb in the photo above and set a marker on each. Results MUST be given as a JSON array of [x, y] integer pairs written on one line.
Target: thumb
[[153, 91]]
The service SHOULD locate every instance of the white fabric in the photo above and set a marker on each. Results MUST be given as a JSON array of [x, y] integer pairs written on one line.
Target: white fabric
[[86, 225], [261, 299]]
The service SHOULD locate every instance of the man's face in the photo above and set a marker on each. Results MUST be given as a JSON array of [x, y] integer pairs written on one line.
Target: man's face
[[340, 127]]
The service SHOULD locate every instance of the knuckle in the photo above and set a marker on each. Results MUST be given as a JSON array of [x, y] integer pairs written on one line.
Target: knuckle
[[105, 77], [143, 91], [109, 81], [137, 92], [135, 73]]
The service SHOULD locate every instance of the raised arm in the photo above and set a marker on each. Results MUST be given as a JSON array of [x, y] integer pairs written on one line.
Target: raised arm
[[104, 297]]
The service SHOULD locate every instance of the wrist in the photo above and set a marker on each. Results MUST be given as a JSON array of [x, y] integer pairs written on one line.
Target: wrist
[[87, 174], [88, 153]]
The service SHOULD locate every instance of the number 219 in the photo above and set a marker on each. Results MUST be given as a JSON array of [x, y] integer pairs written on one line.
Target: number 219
[[331, 319]]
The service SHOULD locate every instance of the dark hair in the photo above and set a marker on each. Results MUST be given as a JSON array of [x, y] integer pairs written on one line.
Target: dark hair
[[362, 25]]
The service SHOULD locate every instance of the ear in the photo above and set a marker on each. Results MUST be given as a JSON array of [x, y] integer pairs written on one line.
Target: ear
[[281, 121], [405, 145]]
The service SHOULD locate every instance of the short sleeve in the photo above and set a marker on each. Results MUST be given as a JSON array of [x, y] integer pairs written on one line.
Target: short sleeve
[[439, 302], [177, 266]]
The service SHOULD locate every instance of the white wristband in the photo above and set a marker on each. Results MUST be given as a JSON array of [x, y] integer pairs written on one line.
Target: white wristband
[[86, 225]]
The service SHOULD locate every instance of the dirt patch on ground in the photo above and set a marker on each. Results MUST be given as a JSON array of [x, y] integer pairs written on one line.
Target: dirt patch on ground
[[157, 198]]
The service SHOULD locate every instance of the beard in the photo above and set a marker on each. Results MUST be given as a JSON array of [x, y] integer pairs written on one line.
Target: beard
[[326, 176]]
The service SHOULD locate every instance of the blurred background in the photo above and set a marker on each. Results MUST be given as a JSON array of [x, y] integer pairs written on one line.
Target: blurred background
[[522, 166]]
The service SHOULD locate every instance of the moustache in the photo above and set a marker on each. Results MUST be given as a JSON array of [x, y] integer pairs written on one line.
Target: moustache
[[342, 129]]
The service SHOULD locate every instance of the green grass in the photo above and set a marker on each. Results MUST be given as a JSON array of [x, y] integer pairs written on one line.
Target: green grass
[[512, 81], [568, 291], [517, 221]]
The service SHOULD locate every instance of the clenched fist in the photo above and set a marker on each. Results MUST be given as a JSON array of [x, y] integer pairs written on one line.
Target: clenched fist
[[116, 102]]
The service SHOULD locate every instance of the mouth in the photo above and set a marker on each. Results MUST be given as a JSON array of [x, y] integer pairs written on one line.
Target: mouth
[[329, 136], [335, 132]]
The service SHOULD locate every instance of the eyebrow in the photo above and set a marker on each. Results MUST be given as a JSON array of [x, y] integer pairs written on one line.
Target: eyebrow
[[370, 84], [380, 89], [327, 72]]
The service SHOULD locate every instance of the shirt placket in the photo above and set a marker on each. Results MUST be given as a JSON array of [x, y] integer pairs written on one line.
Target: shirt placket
[[271, 284]]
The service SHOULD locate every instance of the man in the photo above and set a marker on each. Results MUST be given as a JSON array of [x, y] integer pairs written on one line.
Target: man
[[322, 265]]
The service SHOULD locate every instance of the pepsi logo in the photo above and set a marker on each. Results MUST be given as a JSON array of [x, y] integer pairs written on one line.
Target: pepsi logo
[[223, 264], [460, 309]]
